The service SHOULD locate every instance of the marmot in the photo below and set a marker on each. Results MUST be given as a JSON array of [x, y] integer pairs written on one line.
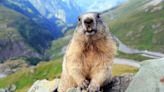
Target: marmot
[[89, 55]]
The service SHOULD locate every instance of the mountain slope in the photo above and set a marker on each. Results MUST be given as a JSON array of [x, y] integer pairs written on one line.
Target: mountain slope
[[19, 36], [138, 24], [54, 15]]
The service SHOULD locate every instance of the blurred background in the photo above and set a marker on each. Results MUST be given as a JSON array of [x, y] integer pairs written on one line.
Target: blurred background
[[34, 35]]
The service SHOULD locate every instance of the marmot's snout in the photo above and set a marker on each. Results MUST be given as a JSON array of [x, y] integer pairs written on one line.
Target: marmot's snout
[[89, 23]]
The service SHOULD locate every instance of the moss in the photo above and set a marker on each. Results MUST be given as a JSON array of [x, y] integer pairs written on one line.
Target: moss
[[118, 69]]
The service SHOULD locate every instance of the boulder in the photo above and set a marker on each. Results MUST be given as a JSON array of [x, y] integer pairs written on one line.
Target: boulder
[[10, 88], [150, 77], [44, 86], [118, 84]]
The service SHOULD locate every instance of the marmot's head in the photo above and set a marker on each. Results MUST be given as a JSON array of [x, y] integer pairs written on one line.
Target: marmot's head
[[91, 24]]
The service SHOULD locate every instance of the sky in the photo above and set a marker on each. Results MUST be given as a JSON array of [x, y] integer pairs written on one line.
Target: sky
[[88, 2], [98, 4]]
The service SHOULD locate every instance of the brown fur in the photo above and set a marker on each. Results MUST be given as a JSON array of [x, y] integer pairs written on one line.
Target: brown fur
[[88, 58]]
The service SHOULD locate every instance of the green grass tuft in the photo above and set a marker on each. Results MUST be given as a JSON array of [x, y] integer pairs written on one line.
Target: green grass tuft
[[27, 76]]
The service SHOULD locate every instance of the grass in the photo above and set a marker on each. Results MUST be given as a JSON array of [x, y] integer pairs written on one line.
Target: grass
[[135, 28], [24, 78], [57, 46], [133, 57], [118, 69]]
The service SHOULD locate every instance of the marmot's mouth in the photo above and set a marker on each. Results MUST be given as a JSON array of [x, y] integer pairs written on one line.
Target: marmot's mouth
[[91, 32]]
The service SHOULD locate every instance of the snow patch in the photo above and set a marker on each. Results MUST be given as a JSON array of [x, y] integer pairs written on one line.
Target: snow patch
[[153, 3]]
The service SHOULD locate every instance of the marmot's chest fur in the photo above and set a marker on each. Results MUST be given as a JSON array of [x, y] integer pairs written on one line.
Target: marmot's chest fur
[[92, 54]]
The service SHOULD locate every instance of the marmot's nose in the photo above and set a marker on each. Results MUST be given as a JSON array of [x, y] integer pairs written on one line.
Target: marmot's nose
[[88, 21]]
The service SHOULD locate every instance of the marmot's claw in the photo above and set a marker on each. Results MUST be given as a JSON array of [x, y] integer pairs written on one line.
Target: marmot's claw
[[84, 85], [93, 88]]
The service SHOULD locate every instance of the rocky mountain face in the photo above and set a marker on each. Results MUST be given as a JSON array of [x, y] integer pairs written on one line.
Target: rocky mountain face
[[53, 15], [21, 37]]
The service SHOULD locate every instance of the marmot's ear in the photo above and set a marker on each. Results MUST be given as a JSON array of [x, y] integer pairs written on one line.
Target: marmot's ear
[[98, 15], [79, 18]]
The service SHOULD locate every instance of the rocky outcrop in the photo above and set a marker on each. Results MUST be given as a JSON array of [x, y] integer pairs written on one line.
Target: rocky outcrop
[[118, 84], [150, 78], [10, 88], [13, 48], [13, 45], [44, 86], [11, 66]]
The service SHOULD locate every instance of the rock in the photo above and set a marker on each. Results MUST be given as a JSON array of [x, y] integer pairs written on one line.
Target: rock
[[10, 88], [11, 66], [2, 90], [157, 8], [2, 75], [74, 90], [150, 77], [44, 86], [118, 84]]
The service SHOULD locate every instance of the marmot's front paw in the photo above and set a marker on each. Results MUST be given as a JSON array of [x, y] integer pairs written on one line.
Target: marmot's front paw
[[94, 88], [84, 85]]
